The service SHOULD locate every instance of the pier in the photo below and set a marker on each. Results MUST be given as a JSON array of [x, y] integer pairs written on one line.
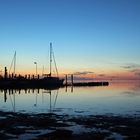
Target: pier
[[93, 83], [31, 81]]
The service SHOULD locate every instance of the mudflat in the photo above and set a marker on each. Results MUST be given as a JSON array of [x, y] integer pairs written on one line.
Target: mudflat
[[61, 127]]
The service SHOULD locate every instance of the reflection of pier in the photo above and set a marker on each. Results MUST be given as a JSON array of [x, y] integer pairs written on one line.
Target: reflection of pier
[[52, 104], [10, 94], [12, 98]]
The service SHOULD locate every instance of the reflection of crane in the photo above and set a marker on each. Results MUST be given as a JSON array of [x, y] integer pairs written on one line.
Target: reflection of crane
[[53, 95], [36, 98], [55, 99], [5, 95], [12, 100]]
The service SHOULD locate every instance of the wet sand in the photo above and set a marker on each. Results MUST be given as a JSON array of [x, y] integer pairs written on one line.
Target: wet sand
[[49, 126]]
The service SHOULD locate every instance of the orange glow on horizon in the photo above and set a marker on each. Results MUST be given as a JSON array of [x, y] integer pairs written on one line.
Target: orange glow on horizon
[[95, 73]]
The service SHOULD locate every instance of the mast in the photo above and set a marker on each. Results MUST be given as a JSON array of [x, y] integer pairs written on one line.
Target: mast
[[50, 59], [55, 63], [15, 63]]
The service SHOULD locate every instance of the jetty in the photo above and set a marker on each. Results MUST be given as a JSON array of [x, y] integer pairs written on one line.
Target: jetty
[[30, 81], [93, 83], [12, 80], [101, 83]]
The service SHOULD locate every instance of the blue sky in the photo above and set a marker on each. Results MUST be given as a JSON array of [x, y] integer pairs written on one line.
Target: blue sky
[[87, 35]]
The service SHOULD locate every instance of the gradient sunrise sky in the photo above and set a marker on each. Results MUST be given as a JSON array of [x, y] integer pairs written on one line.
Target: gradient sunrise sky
[[99, 38]]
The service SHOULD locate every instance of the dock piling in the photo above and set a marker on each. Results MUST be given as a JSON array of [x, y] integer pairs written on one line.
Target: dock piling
[[5, 72], [72, 79], [66, 80]]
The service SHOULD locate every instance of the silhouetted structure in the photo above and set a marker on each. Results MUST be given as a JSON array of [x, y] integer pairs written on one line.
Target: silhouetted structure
[[5, 73], [14, 81]]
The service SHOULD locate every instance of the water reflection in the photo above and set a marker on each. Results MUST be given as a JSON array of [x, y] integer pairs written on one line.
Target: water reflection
[[118, 97], [12, 93], [52, 103], [130, 88]]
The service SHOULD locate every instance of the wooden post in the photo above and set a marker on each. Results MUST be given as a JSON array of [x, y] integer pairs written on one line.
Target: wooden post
[[72, 88], [72, 83], [9, 76], [29, 76], [25, 91], [66, 84], [66, 80], [72, 79], [5, 72], [38, 77], [5, 95], [12, 75], [25, 76]]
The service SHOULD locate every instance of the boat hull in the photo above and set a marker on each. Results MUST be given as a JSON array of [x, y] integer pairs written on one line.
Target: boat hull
[[48, 82]]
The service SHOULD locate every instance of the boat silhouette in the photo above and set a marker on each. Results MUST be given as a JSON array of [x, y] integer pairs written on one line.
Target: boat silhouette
[[46, 81]]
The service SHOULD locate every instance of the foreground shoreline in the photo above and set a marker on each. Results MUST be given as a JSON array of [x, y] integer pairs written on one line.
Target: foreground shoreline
[[52, 126]]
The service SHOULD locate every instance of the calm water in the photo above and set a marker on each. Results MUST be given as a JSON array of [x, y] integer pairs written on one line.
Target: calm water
[[117, 98]]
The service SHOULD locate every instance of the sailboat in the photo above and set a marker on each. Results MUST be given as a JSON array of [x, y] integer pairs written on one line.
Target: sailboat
[[48, 79]]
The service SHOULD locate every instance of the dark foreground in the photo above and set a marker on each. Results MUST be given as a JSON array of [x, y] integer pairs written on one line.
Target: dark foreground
[[64, 127]]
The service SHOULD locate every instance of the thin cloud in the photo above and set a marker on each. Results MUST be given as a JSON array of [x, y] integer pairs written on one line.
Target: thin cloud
[[134, 68], [83, 73], [131, 66], [127, 67]]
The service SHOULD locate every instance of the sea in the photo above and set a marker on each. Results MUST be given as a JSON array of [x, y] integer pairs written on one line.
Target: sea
[[120, 97]]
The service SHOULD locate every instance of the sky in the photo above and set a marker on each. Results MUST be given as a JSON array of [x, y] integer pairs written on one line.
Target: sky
[[90, 38]]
